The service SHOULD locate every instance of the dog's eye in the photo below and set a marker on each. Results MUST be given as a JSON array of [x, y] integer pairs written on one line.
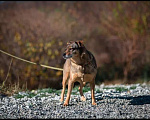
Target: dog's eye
[[73, 48]]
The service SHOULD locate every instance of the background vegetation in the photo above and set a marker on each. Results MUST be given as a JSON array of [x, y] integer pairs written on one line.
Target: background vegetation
[[117, 33]]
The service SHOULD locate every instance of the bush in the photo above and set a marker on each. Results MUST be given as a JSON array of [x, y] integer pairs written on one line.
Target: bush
[[117, 33]]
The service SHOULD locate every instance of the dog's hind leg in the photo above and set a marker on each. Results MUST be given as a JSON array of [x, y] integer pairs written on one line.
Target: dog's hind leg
[[82, 84], [92, 85], [64, 82]]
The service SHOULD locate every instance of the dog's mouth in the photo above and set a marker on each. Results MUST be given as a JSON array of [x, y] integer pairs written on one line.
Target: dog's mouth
[[67, 56], [73, 49]]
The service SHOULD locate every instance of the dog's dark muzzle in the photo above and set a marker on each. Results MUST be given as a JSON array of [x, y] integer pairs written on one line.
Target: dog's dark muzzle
[[65, 56]]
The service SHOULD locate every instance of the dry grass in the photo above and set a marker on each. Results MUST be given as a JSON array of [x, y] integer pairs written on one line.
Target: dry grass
[[12, 88]]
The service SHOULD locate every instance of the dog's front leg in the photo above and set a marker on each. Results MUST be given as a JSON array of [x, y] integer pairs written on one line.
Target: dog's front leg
[[63, 90], [64, 82], [70, 86]]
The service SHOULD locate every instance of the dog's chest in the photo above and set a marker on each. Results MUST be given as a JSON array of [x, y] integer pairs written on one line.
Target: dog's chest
[[78, 69], [85, 73]]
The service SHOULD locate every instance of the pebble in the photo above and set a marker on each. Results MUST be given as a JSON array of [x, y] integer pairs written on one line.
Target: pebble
[[131, 104]]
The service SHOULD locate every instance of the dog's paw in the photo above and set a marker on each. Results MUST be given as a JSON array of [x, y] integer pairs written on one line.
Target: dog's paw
[[83, 98], [94, 103], [61, 100], [65, 104]]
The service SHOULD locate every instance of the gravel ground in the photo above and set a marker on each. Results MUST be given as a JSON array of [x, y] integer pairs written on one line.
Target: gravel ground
[[113, 102]]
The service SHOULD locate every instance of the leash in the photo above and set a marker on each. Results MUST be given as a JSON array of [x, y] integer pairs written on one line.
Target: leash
[[50, 67]]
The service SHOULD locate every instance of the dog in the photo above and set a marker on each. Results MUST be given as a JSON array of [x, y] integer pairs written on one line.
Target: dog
[[80, 66]]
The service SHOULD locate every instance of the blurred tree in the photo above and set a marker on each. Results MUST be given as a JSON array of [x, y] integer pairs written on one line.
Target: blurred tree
[[116, 32]]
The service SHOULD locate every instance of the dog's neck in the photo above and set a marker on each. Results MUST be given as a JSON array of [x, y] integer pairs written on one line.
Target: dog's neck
[[77, 60], [83, 59]]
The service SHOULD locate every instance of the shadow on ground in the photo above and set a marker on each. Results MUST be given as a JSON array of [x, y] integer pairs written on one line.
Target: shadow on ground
[[139, 100]]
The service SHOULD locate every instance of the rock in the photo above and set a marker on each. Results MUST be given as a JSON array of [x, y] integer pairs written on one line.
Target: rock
[[110, 104]]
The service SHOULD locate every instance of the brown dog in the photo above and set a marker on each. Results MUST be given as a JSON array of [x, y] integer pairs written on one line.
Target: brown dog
[[80, 66]]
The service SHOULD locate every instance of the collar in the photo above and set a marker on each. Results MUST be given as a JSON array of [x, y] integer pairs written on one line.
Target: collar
[[84, 64]]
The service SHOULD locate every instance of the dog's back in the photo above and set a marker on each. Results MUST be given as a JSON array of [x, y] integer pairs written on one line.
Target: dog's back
[[90, 64]]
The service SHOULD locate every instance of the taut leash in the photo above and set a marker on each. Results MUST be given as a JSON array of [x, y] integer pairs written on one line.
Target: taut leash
[[50, 67]]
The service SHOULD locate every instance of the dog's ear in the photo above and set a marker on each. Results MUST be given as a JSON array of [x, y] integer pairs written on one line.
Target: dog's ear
[[81, 43], [68, 43], [83, 54]]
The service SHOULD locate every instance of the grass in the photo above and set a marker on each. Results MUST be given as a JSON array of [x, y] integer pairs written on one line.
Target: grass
[[14, 90], [40, 92], [75, 91], [10, 90], [133, 87], [47, 91], [121, 89], [98, 91], [19, 96]]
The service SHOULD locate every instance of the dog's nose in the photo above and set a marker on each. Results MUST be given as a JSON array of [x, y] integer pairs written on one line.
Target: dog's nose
[[65, 56]]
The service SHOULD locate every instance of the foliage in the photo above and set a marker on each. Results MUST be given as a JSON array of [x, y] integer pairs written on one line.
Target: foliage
[[117, 33]]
